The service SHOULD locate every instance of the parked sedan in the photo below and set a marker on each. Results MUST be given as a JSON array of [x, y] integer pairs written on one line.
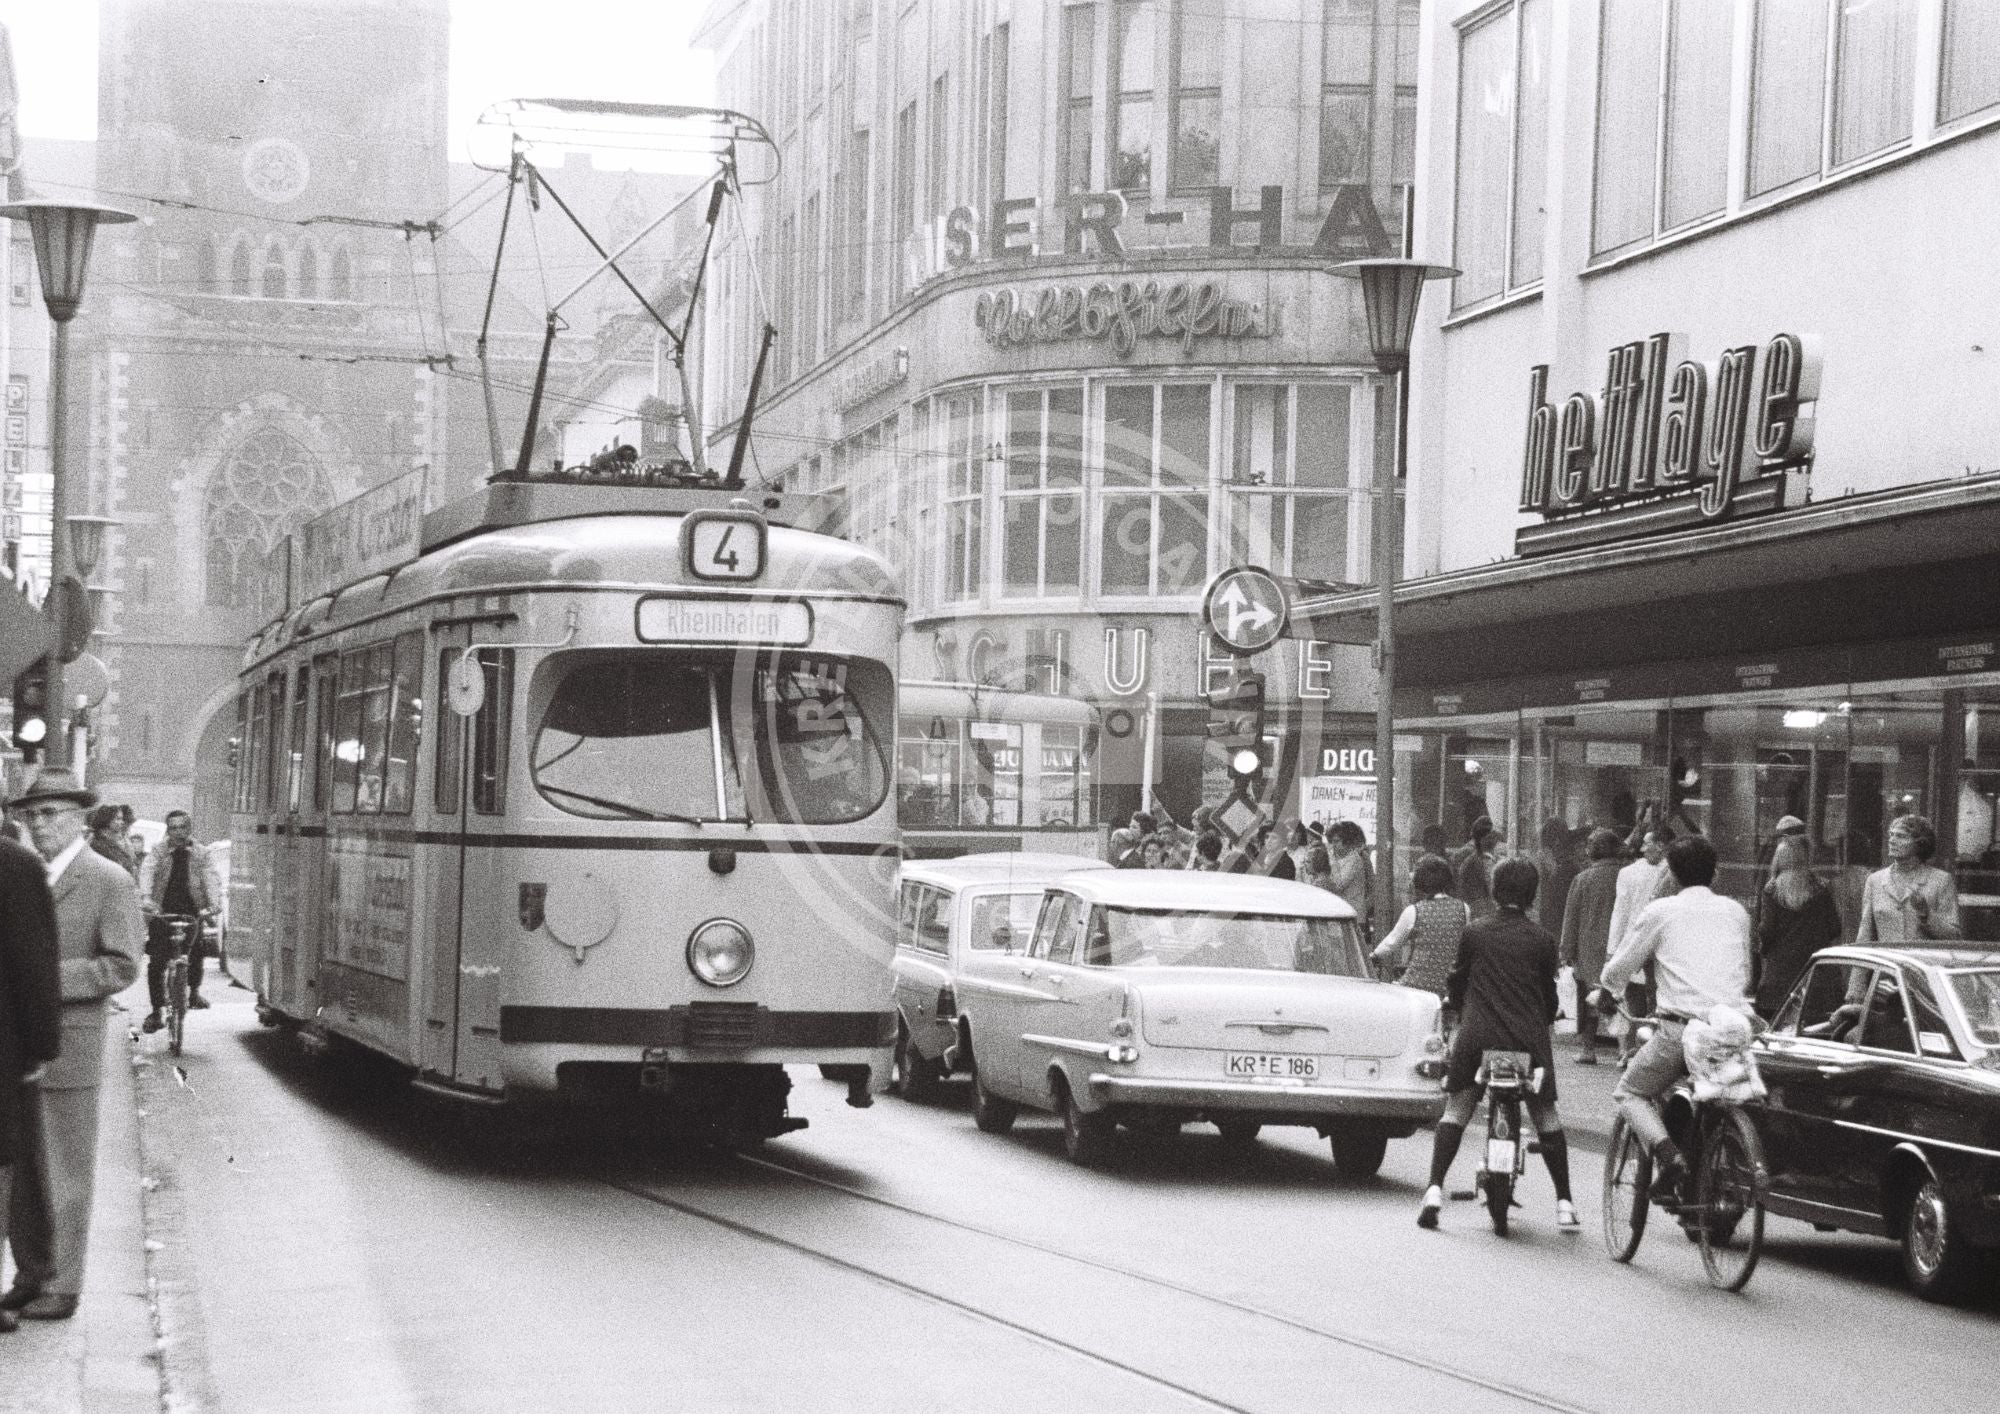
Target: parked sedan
[[1151, 999], [1884, 1109], [949, 912]]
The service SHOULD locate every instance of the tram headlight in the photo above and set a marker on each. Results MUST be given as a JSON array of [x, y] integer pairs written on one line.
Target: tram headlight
[[720, 952]]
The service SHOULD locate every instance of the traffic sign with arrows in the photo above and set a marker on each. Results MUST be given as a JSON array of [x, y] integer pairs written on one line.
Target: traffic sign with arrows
[[1246, 608]]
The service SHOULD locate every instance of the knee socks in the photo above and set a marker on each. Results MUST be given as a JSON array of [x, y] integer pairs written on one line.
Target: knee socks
[[1445, 1148], [1555, 1153]]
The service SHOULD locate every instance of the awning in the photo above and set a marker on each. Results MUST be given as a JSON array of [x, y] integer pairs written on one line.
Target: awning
[[1918, 560]]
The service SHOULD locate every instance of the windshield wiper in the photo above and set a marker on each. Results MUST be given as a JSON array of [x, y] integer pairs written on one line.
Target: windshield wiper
[[629, 811]]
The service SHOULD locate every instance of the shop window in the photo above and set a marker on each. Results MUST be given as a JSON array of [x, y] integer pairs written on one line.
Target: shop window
[[965, 500], [1041, 497], [1079, 75], [1197, 94], [927, 773], [993, 792], [1970, 82], [1502, 179], [1131, 145], [1153, 513]]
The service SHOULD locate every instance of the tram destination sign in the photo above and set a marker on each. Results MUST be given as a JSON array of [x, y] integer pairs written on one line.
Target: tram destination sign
[[1670, 443], [675, 619]]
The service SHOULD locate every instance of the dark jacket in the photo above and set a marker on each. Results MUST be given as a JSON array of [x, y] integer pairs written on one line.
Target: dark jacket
[[1786, 939], [1504, 989], [30, 986], [1586, 929]]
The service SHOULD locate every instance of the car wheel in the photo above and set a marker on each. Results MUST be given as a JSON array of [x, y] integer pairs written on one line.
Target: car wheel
[[914, 1076], [990, 1113], [1087, 1138], [1938, 1263], [1359, 1154], [1238, 1134]]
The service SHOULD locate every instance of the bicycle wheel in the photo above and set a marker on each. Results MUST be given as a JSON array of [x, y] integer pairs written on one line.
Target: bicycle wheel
[[177, 1003], [1628, 1182], [1730, 1196]]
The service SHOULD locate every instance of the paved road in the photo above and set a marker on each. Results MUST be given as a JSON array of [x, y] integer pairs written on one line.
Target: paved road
[[329, 1244]]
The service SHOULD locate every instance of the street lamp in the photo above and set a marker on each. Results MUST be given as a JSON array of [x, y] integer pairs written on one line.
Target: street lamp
[[1390, 290], [62, 232]]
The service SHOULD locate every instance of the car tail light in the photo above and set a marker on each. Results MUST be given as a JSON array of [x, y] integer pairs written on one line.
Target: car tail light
[[947, 1004]]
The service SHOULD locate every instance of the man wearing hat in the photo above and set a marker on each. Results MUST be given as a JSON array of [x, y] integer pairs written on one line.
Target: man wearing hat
[[30, 1009], [99, 937]]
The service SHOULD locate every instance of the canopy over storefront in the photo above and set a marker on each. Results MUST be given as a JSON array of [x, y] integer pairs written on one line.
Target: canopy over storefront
[[1866, 569]]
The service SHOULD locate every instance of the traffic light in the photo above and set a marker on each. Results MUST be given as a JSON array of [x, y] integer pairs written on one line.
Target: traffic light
[[31, 710], [1236, 724]]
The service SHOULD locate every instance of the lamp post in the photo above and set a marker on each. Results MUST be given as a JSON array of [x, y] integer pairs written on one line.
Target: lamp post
[[62, 232], [1390, 290]]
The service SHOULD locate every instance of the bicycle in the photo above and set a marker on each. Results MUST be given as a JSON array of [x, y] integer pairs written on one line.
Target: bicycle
[[1720, 1202], [1509, 1077], [184, 928]]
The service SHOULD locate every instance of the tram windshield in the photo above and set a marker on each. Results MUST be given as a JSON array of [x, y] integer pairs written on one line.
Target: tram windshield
[[658, 735]]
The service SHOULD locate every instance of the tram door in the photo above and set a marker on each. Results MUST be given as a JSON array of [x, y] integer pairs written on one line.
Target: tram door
[[461, 1042], [294, 919]]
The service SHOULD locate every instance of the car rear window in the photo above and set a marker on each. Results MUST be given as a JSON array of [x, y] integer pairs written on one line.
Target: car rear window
[[1264, 942]]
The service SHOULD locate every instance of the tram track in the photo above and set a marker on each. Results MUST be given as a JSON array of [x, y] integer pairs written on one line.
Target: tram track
[[1417, 1364]]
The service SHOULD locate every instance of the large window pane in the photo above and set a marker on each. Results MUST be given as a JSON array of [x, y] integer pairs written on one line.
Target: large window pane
[[1065, 456], [1132, 143], [1697, 175], [1197, 140], [1485, 124], [1343, 137], [1628, 125], [1125, 545], [1128, 435], [1324, 454], [1788, 93], [1531, 143], [1971, 78], [1183, 543], [1319, 539], [1062, 536], [1020, 533], [1184, 434], [1258, 445], [1349, 43], [1080, 44], [1872, 81]]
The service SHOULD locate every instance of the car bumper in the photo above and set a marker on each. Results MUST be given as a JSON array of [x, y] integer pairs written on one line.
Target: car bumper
[[1342, 1101]]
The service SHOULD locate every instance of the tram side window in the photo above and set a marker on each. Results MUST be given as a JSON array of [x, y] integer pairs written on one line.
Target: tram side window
[[406, 724], [361, 727], [295, 745], [274, 744], [450, 734], [326, 675], [260, 719], [239, 748], [491, 728]]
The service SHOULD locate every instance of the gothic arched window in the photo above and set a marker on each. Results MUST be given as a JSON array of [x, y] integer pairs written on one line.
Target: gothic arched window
[[265, 488], [308, 271], [205, 275], [340, 285], [274, 271], [239, 268]]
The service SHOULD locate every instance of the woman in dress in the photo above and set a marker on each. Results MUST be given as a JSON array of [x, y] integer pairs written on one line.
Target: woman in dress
[[1424, 942], [1797, 919], [1586, 930], [1912, 901]]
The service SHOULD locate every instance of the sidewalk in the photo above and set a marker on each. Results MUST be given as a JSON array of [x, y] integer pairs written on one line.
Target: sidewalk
[[104, 1360]]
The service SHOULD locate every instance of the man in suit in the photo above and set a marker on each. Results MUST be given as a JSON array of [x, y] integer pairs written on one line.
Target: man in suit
[[99, 936], [30, 1005]]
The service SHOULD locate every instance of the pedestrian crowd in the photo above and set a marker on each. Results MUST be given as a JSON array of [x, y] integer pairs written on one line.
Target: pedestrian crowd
[[80, 901]]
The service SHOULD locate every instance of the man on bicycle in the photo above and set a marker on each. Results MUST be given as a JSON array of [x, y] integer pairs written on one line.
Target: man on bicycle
[[1504, 989], [178, 878], [1699, 945]]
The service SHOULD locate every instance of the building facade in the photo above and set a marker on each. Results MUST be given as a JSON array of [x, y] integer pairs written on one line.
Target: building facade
[[1703, 497], [1054, 310]]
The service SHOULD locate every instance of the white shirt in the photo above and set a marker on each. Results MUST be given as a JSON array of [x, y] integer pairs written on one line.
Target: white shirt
[[1636, 882], [1699, 945], [61, 861]]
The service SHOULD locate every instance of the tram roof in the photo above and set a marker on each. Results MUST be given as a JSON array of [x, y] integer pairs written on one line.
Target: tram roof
[[526, 536]]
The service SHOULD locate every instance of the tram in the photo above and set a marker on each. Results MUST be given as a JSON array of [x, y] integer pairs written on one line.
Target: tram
[[983, 769], [590, 798]]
